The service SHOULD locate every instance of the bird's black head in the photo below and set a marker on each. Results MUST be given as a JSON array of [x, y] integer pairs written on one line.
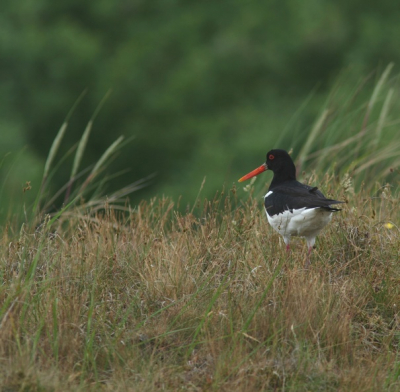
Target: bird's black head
[[280, 162]]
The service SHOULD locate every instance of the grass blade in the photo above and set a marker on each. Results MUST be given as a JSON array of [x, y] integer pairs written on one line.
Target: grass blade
[[383, 116], [376, 92], [312, 136], [85, 137], [53, 151], [81, 149], [98, 166]]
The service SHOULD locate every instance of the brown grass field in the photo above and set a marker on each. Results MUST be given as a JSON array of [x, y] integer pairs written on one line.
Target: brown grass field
[[207, 300]]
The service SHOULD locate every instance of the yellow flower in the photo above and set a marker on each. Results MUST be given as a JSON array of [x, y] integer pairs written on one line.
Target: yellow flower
[[389, 225]]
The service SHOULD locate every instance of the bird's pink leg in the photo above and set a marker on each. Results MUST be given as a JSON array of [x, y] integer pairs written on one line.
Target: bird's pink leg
[[287, 248], [307, 264]]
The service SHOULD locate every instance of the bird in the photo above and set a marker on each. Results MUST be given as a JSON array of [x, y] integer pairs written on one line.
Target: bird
[[293, 208]]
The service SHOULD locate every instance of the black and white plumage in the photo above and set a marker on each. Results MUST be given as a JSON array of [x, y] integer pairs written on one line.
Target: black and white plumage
[[293, 208]]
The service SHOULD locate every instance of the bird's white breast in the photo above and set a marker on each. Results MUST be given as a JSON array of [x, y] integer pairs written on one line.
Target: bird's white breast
[[302, 222]]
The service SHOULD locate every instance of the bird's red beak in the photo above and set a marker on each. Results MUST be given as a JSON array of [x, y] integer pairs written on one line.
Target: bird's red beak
[[255, 172]]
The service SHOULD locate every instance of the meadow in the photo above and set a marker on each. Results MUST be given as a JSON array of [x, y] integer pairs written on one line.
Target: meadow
[[207, 299], [165, 295]]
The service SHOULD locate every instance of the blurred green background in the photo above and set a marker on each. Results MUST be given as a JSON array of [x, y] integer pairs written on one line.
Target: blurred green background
[[206, 88]]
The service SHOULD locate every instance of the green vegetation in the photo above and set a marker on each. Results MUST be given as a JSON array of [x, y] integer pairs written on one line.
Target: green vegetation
[[370, 156], [205, 88]]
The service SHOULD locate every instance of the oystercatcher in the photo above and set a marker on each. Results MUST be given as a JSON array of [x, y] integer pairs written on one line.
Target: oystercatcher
[[293, 208]]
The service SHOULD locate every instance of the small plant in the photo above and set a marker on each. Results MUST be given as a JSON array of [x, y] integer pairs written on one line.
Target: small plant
[[84, 189]]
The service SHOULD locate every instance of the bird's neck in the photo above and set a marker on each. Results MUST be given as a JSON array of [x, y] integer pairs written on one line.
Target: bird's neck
[[283, 175]]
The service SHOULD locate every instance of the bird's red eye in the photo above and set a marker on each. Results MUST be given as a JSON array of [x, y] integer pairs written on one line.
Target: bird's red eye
[[271, 157]]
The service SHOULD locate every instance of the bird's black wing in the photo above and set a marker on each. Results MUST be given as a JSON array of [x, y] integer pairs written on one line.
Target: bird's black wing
[[294, 195]]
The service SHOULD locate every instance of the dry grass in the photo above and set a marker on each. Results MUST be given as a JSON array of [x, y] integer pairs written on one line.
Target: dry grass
[[209, 300]]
